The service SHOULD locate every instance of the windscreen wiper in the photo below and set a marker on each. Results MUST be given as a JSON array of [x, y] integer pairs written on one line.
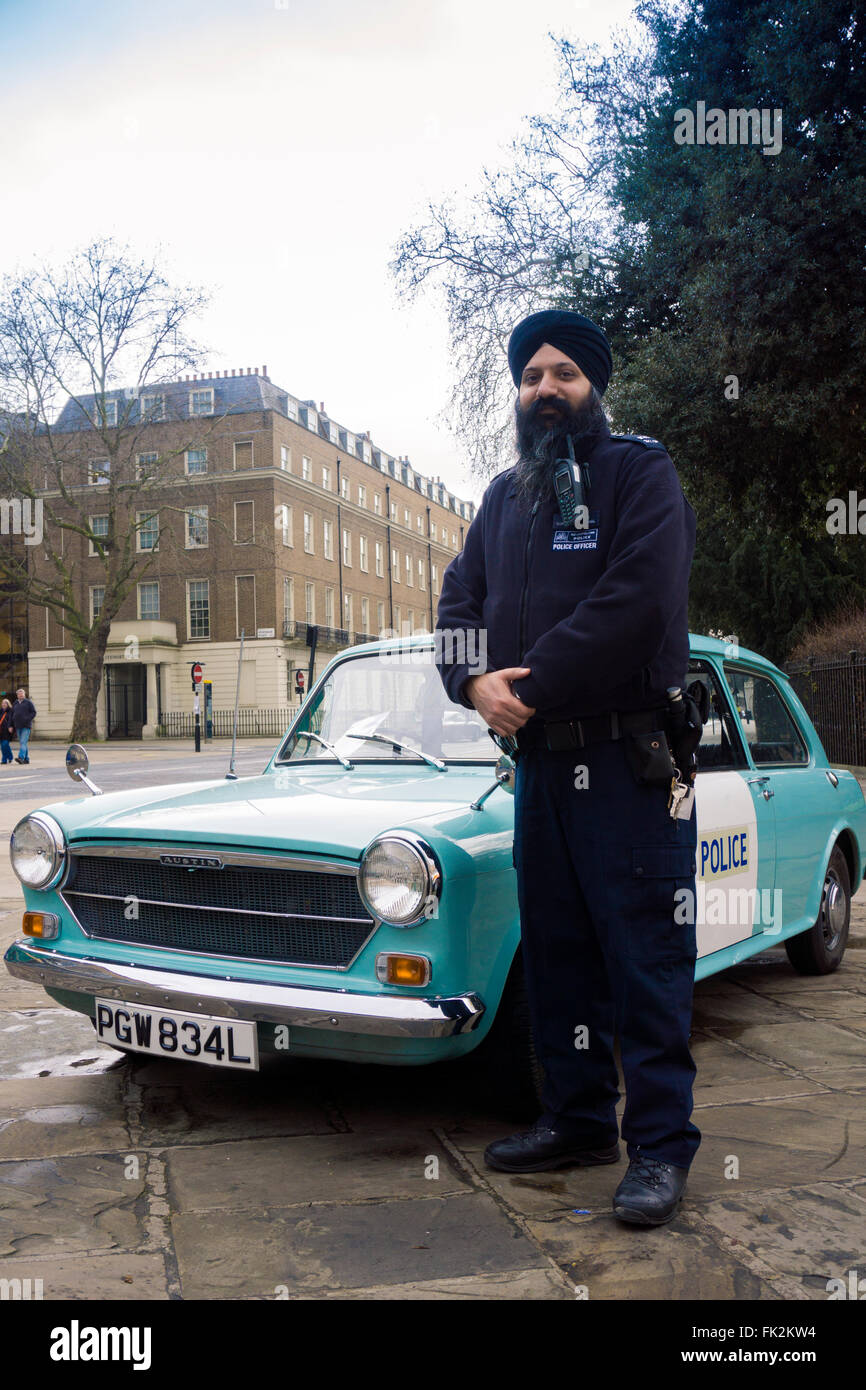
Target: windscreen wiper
[[305, 733], [403, 748]]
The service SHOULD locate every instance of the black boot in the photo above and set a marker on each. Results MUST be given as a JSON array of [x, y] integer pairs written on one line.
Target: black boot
[[541, 1147], [650, 1192]]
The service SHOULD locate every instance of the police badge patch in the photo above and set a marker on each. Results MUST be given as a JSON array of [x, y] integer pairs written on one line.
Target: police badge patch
[[567, 538]]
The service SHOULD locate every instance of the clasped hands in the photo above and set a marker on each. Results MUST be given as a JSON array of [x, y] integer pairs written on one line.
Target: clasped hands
[[492, 696]]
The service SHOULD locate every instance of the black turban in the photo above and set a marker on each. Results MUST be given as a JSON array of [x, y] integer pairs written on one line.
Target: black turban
[[574, 334]]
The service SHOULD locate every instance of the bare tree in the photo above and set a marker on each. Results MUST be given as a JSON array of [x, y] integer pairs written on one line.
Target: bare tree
[[73, 337], [537, 235]]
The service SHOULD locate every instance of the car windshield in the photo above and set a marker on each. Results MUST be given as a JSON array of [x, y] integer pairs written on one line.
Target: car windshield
[[397, 695]]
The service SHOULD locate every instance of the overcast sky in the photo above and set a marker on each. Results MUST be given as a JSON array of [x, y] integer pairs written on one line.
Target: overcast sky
[[273, 151]]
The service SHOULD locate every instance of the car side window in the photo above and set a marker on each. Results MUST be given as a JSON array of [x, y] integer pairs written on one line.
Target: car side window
[[720, 748], [767, 725]]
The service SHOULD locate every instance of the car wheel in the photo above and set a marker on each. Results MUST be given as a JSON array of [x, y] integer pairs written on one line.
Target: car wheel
[[819, 950], [509, 1068]]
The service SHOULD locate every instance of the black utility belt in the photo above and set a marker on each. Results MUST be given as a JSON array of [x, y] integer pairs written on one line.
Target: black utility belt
[[558, 736]]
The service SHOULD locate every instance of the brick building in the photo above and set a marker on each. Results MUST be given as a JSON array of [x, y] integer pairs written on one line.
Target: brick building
[[269, 517]]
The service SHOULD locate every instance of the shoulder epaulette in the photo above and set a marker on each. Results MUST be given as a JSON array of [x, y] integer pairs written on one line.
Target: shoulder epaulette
[[643, 439]]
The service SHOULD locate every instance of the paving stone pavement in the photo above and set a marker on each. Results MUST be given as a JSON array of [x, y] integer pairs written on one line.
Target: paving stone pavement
[[144, 1179]]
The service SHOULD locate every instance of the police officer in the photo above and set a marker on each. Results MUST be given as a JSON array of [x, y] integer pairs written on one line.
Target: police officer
[[578, 579]]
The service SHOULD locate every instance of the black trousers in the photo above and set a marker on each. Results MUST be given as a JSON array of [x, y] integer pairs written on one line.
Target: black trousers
[[608, 947]]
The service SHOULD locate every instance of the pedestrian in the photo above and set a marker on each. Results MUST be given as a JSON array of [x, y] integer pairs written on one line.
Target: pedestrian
[[23, 714], [575, 571], [7, 731]]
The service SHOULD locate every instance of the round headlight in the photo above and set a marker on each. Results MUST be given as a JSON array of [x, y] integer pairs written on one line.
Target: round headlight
[[38, 850], [399, 880]]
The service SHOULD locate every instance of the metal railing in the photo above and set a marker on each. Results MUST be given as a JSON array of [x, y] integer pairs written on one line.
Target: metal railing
[[252, 723], [834, 693]]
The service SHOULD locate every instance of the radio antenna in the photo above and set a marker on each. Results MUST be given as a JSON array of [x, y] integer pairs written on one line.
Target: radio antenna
[[231, 775]]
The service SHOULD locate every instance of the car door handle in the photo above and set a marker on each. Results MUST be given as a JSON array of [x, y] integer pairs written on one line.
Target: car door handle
[[766, 792]]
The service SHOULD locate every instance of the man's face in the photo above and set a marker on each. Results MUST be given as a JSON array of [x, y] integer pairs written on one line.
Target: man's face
[[552, 379], [20, 694]]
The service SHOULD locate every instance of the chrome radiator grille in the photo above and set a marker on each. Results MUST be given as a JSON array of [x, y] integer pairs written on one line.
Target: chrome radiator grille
[[300, 916]]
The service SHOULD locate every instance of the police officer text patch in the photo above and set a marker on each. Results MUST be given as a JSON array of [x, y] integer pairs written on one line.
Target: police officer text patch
[[566, 538]]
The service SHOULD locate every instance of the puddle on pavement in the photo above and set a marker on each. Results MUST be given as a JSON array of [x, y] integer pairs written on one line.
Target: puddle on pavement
[[51, 1042]]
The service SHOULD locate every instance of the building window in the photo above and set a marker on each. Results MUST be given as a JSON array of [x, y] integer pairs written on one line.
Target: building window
[[147, 526], [196, 528], [329, 608], [201, 402], [152, 408], [100, 470], [198, 608], [306, 469], [454, 539], [420, 521], [285, 523], [288, 600], [97, 596], [285, 458], [395, 566], [422, 584], [245, 605], [148, 600], [380, 616], [310, 603], [347, 548], [365, 615], [363, 560], [409, 580], [326, 478], [377, 503], [380, 570], [348, 623], [435, 569], [308, 533], [99, 527], [244, 523], [344, 488], [196, 461], [110, 411], [145, 466], [362, 496], [328, 539], [405, 516], [444, 536], [243, 455], [397, 617]]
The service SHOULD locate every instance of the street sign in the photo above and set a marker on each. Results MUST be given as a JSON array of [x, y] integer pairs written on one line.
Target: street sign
[[197, 672]]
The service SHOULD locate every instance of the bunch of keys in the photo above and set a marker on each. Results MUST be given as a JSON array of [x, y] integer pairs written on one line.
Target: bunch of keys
[[681, 798]]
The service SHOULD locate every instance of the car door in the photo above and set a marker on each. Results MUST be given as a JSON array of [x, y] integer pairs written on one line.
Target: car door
[[801, 793], [736, 843]]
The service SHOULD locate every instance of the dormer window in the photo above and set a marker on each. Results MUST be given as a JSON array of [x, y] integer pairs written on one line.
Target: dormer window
[[201, 402]]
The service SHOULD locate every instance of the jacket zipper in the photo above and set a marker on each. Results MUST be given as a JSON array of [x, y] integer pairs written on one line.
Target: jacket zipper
[[523, 596]]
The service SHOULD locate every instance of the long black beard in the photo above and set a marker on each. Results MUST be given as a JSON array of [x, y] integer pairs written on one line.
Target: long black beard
[[541, 441]]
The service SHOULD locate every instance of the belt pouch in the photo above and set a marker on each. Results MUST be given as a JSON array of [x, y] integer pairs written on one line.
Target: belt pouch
[[650, 758]]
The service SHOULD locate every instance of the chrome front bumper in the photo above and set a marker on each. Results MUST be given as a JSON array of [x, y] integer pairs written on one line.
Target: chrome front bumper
[[385, 1015]]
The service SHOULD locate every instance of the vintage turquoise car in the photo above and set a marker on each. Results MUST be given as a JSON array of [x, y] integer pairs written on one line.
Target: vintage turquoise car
[[357, 900]]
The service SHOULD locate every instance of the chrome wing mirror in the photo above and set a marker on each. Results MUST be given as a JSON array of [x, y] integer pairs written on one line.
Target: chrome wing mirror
[[504, 779], [77, 763]]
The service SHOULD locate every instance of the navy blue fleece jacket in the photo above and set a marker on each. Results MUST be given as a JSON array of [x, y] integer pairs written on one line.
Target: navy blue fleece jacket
[[599, 617]]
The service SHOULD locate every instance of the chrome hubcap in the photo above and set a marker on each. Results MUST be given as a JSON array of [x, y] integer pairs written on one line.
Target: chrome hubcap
[[833, 911]]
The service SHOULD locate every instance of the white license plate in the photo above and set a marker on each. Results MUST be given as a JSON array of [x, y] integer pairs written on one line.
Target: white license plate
[[219, 1042]]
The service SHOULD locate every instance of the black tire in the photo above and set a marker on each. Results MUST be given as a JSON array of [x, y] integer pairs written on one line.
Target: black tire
[[506, 1061], [819, 950]]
